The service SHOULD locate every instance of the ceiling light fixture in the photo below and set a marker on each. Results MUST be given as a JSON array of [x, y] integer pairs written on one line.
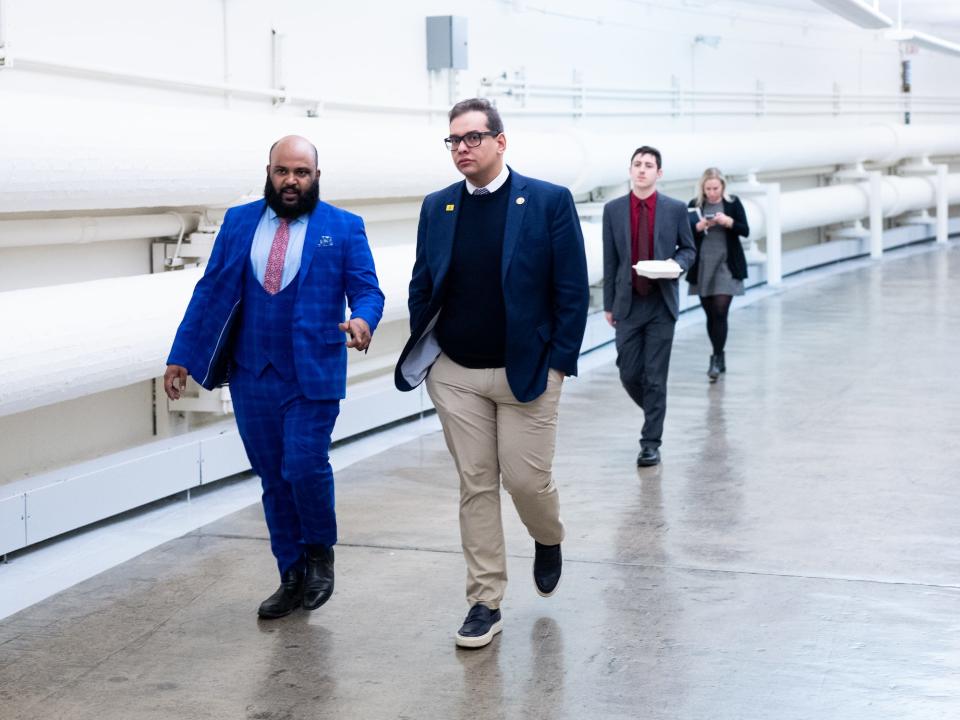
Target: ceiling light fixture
[[924, 40], [859, 12], [920, 39]]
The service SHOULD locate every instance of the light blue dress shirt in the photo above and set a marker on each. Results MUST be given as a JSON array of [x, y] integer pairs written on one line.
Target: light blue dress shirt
[[263, 241]]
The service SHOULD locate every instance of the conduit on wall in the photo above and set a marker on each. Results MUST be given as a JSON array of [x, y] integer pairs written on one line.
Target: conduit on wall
[[125, 156], [78, 339], [83, 338], [63, 231], [818, 207]]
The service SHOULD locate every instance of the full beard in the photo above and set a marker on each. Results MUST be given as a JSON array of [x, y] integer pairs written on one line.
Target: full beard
[[305, 204]]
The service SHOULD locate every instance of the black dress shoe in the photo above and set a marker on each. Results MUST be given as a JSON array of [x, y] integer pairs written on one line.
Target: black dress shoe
[[479, 627], [287, 597], [318, 585], [547, 566], [648, 457], [714, 370]]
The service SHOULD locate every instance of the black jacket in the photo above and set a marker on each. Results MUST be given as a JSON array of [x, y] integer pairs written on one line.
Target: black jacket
[[736, 260]]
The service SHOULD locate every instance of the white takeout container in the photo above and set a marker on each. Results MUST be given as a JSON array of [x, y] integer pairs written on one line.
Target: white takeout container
[[658, 269]]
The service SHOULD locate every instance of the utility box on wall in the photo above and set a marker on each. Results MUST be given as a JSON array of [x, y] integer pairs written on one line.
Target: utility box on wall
[[446, 42]]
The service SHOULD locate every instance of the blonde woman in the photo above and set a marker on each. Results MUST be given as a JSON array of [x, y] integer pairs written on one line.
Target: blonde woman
[[718, 222]]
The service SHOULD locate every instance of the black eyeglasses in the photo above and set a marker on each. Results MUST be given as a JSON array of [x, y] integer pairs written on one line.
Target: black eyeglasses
[[472, 139]]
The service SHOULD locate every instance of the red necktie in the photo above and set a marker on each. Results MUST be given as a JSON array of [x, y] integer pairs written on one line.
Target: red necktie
[[274, 272], [641, 285]]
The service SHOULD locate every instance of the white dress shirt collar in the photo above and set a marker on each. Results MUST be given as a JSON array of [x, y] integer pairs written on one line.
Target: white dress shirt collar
[[494, 184]]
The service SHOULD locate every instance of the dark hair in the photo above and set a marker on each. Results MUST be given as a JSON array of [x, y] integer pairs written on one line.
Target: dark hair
[[494, 123], [647, 150]]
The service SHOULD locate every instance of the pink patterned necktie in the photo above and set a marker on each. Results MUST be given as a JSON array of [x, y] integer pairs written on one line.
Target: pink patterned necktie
[[274, 272]]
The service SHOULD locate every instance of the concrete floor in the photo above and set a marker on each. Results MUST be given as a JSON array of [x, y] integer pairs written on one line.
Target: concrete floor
[[796, 555]]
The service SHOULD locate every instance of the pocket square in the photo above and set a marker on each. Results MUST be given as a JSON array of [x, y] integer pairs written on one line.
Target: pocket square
[[325, 241]]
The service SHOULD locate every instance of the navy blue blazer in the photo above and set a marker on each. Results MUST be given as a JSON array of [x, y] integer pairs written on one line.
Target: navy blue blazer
[[336, 266], [543, 275]]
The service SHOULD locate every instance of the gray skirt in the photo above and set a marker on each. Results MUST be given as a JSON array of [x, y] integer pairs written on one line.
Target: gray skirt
[[713, 273]]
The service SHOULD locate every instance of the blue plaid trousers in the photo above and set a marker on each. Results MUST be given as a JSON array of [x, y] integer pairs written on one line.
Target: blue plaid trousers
[[287, 438]]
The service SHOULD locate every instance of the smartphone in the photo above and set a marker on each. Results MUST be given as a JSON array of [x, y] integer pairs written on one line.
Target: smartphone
[[710, 216]]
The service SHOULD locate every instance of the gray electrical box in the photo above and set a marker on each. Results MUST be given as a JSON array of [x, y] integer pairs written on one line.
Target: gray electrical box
[[446, 42]]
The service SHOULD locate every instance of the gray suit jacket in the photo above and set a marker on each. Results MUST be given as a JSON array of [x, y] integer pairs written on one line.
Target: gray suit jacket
[[672, 238]]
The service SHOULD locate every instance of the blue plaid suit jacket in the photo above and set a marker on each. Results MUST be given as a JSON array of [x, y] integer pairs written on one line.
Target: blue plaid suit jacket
[[336, 268]]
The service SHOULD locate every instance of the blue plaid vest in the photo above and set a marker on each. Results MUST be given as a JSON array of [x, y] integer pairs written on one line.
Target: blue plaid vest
[[265, 331]]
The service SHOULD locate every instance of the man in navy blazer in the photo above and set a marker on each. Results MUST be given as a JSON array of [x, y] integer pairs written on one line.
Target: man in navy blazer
[[644, 225], [498, 305], [269, 310]]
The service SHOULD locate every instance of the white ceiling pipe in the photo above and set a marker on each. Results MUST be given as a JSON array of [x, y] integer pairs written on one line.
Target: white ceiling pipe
[[126, 156], [62, 231], [846, 202], [84, 338], [395, 263], [79, 339], [858, 12], [823, 206]]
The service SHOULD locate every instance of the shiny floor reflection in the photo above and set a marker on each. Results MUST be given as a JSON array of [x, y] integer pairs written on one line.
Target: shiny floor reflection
[[796, 554]]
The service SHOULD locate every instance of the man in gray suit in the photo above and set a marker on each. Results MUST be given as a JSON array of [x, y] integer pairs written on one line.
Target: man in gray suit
[[644, 225]]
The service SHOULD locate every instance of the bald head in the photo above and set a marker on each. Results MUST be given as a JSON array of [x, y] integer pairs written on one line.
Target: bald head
[[293, 180], [296, 144]]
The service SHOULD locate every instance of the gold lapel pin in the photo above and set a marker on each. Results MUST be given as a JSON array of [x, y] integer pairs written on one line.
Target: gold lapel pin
[[449, 208], [520, 201]]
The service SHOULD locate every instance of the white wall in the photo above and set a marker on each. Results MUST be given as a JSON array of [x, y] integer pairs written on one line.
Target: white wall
[[29, 267], [374, 53], [85, 428]]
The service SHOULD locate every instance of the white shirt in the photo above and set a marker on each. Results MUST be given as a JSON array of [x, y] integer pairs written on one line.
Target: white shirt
[[494, 184]]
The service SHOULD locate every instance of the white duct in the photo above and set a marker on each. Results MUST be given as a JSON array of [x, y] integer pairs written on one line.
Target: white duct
[[83, 338], [126, 156], [62, 231], [395, 263], [817, 207]]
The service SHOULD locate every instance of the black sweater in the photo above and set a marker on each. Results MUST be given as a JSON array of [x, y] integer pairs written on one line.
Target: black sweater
[[472, 327]]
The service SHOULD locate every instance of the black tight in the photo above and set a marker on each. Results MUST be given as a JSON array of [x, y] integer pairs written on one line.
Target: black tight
[[716, 308]]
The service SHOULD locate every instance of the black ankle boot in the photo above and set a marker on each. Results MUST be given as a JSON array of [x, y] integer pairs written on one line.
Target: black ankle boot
[[286, 598], [722, 362], [318, 585], [714, 372]]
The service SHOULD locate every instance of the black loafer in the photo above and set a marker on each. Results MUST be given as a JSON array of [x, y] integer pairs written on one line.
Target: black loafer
[[479, 627], [318, 584], [648, 457], [287, 597], [547, 567]]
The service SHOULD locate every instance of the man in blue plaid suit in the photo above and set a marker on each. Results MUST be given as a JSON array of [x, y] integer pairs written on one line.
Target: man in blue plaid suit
[[269, 310]]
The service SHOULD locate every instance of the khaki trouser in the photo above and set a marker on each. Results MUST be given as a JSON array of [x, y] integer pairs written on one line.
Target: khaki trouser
[[492, 435]]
